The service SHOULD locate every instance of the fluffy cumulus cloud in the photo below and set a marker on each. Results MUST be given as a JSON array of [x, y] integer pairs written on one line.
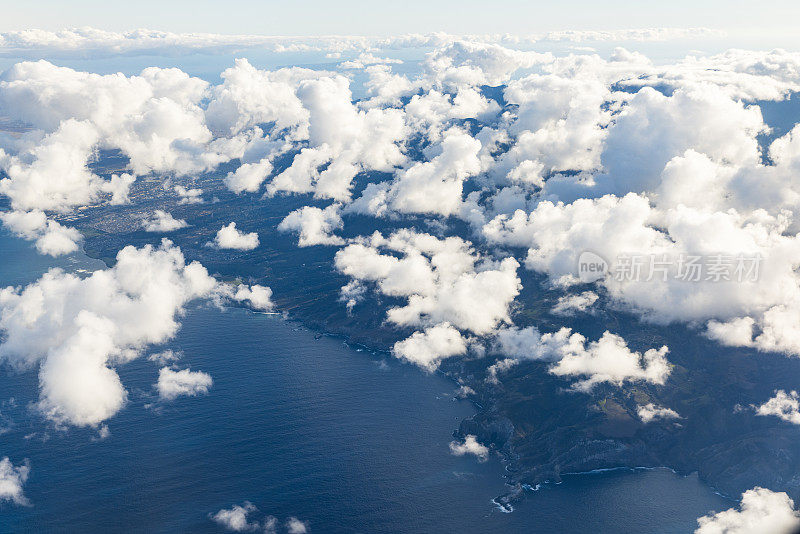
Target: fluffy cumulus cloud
[[446, 285], [650, 412], [296, 526], [259, 297], [188, 195], [229, 237], [49, 236], [783, 405], [428, 187], [610, 360], [244, 518], [443, 280], [572, 304], [568, 115], [653, 128], [174, 383], [429, 347], [161, 221], [640, 176], [339, 139], [248, 177], [154, 119], [12, 478], [606, 360], [743, 283], [236, 518], [561, 125], [470, 445], [474, 63], [77, 330], [315, 226], [141, 115], [761, 510]]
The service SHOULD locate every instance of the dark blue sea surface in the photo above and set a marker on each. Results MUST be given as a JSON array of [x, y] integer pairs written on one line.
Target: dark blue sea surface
[[299, 425]]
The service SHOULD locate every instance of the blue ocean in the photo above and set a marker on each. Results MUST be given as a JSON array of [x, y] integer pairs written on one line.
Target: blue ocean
[[300, 425]]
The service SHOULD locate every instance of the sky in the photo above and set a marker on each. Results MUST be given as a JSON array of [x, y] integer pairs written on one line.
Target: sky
[[745, 19]]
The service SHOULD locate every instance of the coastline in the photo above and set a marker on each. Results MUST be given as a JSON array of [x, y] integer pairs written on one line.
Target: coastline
[[518, 476], [513, 473]]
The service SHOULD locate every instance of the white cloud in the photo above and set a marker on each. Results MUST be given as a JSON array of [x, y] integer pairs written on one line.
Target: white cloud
[[12, 478], [561, 124], [249, 97], [434, 186], [95, 43], [761, 510], [385, 87], [570, 304], [528, 343], [616, 227], [650, 412], [470, 446], [270, 525], [165, 357], [248, 177], [259, 297], [240, 518], [447, 285], [103, 432], [653, 128], [352, 293], [154, 118], [474, 63], [236, 518], [295, 526], [118, 186], [464, 391], [498, 367], [51, 173], [607, 360], [431, 111], [443, 280], [79, 329], [229, 237], [743, 74], [341, 135], [189, 196], [365, 58], [315, 225], [162, 221], [172, 384], [428, 348], [783, 405], [51, 237]]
